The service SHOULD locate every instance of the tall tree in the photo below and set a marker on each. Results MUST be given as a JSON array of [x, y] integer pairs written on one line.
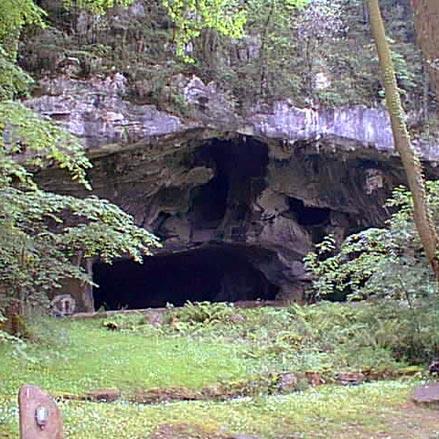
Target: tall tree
[[427, 29], [45, 236], [409, 158]]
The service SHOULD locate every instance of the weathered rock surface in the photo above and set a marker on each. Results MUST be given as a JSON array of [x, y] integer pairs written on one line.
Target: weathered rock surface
[[350, 378], [288, 382], [97, 111], [103, 395], [249, 193], [433, 368]]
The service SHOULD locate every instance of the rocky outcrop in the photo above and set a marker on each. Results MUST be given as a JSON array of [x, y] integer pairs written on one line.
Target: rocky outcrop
[[97, 111], [257, 189]]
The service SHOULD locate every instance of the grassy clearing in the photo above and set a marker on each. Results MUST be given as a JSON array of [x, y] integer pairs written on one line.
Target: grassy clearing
[[203, 347], [327, 412], [271, 417], [92, 357]]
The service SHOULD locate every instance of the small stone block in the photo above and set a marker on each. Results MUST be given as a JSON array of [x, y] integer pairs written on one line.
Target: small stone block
[[350, 378], [288, 382], [314, 378], [31, 399]]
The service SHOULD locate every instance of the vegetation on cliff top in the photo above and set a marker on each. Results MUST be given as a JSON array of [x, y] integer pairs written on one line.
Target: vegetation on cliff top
[[317, 54]]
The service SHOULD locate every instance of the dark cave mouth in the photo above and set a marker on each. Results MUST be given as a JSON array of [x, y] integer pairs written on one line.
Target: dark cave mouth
[[215, 274]]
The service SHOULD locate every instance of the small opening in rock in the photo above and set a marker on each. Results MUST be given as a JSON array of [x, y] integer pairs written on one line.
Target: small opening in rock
[[210, 201], [158, 223], [223, 274], [240, 168], [309, 216]]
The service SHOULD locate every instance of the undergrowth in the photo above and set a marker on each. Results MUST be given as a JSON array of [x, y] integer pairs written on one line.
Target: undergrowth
[[381, 336]]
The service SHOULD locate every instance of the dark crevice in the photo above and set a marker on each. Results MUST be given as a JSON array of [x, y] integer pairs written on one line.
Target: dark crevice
[[309, 216], [209, 203], [158, 223], [240, 169], [215, 274]]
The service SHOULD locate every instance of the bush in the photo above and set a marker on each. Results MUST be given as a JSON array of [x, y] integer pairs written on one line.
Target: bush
[[331, 337], [205, 313], [379, 263]]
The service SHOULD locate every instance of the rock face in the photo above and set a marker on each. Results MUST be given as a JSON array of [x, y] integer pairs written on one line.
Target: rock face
[[98, 111], [237, 200]]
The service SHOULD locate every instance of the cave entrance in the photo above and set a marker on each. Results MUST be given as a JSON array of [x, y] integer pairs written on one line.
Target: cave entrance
[[240, 169], [218, 274]]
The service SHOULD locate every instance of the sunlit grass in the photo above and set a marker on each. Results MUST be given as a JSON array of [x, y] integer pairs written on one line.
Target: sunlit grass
[[94, 357], [327, 412]]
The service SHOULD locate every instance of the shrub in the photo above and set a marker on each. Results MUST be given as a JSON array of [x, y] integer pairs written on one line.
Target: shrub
[[378, 262], [202, 312]]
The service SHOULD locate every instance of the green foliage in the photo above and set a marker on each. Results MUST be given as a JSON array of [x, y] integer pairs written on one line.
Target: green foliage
[[191, 17], [386, 262], [405, 75], [5, 337], [371, 336], [317, 53], [96, 6], [325, 338], [332, 337], [286, 51], [163, 363], [46, 237], [39, 142], [328, 337], [51, 231], [14, 14], [204, 313], [13, 80]]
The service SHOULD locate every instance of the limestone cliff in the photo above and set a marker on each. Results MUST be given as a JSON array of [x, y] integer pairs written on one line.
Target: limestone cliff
[[238, 199]]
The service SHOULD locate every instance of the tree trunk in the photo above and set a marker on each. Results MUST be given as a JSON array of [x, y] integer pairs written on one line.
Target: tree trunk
[[427, 29], [409, 158]]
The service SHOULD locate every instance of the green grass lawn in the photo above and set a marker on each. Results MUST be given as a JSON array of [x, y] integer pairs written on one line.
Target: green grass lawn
[[95, 357], [72, 357], [327, 411]]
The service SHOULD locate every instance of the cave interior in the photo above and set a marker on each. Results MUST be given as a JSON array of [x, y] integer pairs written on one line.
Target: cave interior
[[215, 274], [239, 175]]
